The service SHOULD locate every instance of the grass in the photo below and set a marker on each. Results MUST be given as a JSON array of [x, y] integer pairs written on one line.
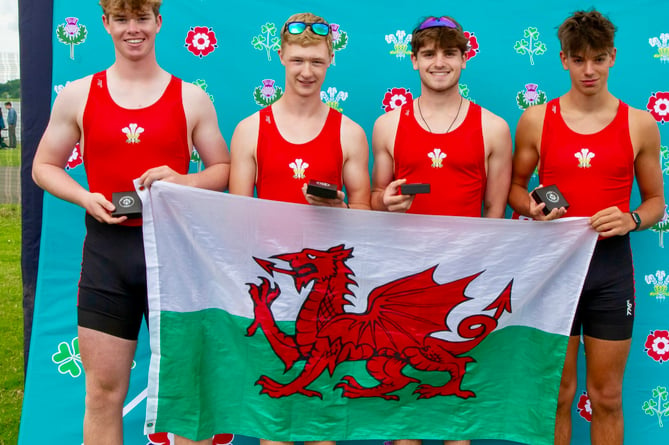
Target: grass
[[11, 323], [10, 157]]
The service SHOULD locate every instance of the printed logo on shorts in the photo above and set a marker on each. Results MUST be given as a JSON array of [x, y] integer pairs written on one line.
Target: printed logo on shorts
[[630, 308], [132, 131], [298, 166], [584, 157]]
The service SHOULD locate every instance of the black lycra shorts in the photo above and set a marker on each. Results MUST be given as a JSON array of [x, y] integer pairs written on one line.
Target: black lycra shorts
[[606, 307], [112, 287]]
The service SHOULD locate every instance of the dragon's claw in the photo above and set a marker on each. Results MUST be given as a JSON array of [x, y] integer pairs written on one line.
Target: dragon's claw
[[263, 293], [352, 389], [251, 330], [348, 382], [428, 391], [275, 389]]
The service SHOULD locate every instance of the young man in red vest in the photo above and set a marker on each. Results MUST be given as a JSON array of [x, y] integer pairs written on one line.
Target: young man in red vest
[[277, 150], [133, 120], [592, 145], [460, 149]]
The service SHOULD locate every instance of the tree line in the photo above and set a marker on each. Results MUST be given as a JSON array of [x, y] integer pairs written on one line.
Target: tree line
[[10, 89]]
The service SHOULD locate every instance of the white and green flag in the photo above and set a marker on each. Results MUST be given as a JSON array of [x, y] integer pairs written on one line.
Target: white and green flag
[[293, 322]]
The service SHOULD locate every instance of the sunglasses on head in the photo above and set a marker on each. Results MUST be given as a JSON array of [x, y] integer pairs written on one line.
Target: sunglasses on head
[[321, 29], [436, 22]]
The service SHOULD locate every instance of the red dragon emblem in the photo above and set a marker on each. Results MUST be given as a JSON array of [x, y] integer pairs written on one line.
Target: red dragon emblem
[[395, 331]]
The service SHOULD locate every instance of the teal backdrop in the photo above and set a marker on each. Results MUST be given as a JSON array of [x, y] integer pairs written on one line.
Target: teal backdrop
[[229, 50]]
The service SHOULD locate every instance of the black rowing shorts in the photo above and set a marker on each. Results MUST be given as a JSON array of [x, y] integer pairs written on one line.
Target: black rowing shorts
[[112, 287], [606, 307]]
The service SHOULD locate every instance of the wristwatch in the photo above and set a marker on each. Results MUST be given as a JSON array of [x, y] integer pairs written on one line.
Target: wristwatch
[[637, 220]]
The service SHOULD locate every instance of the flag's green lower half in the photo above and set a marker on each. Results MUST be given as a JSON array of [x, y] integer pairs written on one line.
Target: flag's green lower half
[[209, 367]]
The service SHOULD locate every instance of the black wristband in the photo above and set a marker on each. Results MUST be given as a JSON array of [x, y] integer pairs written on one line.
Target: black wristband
[[637, 220]]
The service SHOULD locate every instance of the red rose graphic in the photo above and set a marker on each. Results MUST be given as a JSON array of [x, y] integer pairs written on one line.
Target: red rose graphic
[[159, 439], [395, 98], [658, 105], [223, 439], [75, 158], [472, 46], [584, 408], [657, 346], [201, 40]]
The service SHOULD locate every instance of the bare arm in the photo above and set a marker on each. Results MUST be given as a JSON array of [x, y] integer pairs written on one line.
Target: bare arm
[[497, 140], [243, 156], [385, 189], [205, 136], [355, 171], [58, 141], [646, 140], [525, 160]]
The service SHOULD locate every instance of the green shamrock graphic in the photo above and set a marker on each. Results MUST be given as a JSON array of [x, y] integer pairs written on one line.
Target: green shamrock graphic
[[266, 40], [659, 408], [68, 359], [533, 47]]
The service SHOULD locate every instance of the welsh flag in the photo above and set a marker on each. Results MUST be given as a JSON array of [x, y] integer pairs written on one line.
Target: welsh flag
[[293, 322]]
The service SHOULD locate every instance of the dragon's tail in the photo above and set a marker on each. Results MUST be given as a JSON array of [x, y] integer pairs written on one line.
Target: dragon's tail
[[474, 328]]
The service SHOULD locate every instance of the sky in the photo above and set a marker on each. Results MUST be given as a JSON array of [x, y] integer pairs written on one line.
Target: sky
[[9, 26]]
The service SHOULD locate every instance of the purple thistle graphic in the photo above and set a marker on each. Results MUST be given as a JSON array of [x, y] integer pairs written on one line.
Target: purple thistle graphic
[[71, 26], [531, 94], [267, 93], [71, 33], [335, 31], [268, 89]]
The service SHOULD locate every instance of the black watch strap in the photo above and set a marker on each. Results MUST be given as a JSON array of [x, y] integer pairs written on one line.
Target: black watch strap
[[637, 220]]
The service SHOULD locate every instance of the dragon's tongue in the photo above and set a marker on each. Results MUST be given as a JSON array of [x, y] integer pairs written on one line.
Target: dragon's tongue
[[270, 268]]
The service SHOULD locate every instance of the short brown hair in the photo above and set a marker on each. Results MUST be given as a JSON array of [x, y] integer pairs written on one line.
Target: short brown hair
[[307, 37], [119, 6], [586, 30], [443, 36]]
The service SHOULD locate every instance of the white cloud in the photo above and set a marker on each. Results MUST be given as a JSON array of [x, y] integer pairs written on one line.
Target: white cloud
[[9, 26]]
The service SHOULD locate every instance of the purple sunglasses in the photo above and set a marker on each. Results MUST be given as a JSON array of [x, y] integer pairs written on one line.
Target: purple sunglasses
[[436, 22]]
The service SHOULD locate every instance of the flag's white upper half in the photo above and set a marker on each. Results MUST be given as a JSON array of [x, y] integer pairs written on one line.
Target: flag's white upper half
[[200, 247]]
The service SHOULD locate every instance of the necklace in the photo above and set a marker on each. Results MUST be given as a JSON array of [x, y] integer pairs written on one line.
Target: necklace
[[452, 122]]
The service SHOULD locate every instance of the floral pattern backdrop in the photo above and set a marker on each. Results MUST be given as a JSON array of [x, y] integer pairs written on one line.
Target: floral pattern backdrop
[[231, 53]]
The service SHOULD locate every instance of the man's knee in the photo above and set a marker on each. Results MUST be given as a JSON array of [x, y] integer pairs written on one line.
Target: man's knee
[[606, 398], [567, 392], [103, 391]]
